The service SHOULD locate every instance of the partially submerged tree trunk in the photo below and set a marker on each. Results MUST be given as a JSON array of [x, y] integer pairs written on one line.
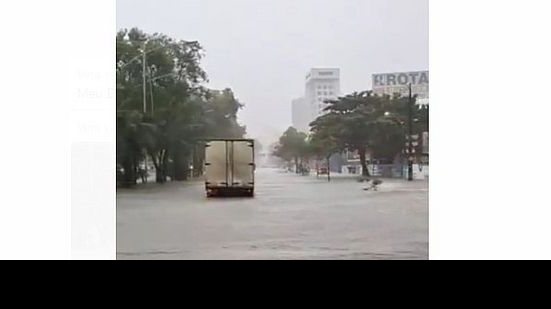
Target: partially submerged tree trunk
[[129, 175], [180, 167], [361, 152], [317, 167], [158, 171], [164, 166], [160, 162], [328, 168]]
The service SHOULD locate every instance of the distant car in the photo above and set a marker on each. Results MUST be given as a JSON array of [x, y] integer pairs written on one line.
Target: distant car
[[322, 171]]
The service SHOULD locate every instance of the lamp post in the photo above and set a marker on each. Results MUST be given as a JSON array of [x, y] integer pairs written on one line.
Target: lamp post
[[144, 101], [410, 137], [151, 80], [143, 77]]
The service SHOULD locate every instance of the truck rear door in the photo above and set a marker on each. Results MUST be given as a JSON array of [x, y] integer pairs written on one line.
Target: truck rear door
[[243, 163], [216, 163]]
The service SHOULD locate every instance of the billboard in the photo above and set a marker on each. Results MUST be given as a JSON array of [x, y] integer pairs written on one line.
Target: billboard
[[390, 83]]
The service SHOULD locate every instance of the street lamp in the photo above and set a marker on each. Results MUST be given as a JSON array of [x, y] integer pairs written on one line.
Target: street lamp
[[401, 123], [410, 133], [140, 56], [143, 75], [144, 95]]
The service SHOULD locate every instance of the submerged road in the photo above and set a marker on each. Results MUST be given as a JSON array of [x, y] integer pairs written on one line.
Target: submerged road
[[290, 217]]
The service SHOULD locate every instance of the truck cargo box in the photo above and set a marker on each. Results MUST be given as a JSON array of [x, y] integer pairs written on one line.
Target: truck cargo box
[[229, 167]]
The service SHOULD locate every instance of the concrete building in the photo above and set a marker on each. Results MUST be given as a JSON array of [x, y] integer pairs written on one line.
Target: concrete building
[[321, 84]]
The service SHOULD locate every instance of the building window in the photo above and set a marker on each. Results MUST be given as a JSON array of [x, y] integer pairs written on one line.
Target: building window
[[330, 92]]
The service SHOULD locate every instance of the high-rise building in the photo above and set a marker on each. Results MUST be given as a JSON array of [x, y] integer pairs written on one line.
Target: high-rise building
[[321, 84]]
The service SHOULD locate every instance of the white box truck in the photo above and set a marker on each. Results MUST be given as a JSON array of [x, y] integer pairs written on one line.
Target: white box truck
[[229, 167]]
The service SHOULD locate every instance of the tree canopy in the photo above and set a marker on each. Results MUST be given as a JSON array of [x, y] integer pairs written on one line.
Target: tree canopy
[[179, 110], [362, 122], [292, 146]]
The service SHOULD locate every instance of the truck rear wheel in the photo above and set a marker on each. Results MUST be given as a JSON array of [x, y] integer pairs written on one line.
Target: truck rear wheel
[[211, 193]]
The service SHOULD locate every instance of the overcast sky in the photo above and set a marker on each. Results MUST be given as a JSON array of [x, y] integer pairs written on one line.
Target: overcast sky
[[262, 49]]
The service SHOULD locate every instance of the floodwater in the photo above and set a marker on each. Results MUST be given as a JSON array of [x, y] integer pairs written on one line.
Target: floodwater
[[290, 217]]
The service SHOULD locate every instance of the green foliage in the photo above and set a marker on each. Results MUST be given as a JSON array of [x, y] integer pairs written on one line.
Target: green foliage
[[179, 110], [363, 121], [292, 146], [221, 115]]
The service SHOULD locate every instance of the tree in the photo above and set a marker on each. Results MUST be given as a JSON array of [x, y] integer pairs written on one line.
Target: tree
[[292, 146], [349, 120], [323, 144], [221, 110], [129, 145], [359, 121], [392, 130], [180, 111]]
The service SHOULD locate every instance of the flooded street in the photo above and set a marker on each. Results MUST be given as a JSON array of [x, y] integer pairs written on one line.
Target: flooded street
[[290, 217]]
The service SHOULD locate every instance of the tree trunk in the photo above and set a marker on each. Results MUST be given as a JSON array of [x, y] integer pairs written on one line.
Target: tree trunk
[[317, 168], [180, 168], [361, 152], [197, 162], [155, 157], [296, 165], [129, 176], [160, 167], [164, 166], [159, 177], [328, 169]]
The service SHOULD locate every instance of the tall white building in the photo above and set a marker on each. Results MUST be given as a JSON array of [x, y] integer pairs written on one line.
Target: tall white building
[[320, 85]]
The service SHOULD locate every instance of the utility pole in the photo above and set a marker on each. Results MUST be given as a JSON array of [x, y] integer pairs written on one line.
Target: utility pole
[[151, 95], [410, 137], [328, 169], [144, 100], [143, 76]]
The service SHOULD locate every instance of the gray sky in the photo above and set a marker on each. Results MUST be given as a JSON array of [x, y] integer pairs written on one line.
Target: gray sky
[[262, 49]]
